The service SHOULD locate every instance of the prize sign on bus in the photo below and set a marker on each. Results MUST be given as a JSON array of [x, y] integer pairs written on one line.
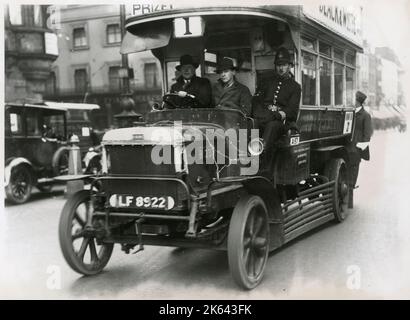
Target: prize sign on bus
[[146, 8]]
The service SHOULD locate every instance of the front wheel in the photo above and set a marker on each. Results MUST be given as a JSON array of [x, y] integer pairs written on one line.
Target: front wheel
[[78, 236], [336, 171], [248, 241]]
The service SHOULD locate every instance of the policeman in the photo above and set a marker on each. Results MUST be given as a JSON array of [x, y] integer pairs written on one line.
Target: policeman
[[189, 84], [358, 148], [228, 92], [277, 102]]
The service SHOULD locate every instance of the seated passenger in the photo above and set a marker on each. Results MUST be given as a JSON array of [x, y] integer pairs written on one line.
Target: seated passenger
[[278, 102], [189, 83], [228, 92]]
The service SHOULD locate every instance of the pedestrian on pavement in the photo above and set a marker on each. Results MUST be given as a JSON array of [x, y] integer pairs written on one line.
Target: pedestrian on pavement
[[358, 148], [228, 92]]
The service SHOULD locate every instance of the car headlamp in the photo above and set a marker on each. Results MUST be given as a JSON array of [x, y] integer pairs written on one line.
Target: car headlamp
[[255, 147]]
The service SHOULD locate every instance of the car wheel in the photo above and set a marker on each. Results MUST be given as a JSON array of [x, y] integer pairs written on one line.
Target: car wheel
[[20, 185]]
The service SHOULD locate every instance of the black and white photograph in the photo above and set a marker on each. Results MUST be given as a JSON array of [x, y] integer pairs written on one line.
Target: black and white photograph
[[195, 150]]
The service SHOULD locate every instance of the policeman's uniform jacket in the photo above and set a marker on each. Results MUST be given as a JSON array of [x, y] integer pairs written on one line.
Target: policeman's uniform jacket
[[198, 87], [362, 133], [283, 92], [235, 96]]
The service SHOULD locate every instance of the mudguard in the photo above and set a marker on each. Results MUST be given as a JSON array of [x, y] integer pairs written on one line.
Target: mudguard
[[12, 164]]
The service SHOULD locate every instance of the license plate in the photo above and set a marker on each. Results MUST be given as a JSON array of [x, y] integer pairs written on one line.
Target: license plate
[[131, 201]]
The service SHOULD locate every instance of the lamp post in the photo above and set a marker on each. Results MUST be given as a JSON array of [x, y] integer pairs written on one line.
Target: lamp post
[[125, 80]]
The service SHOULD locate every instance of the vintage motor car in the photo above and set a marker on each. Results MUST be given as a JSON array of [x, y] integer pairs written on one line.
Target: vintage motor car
[[151, 192], [35, 148]]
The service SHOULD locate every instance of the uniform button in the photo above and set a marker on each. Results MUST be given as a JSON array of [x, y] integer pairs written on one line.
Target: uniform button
[[277, 91]]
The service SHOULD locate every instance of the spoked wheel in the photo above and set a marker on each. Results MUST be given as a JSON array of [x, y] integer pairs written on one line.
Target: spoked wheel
[[248, 241], [336, 170], [78, 232], [21, 182]]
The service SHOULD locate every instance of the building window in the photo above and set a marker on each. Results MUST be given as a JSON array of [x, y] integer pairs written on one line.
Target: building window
[[80, 80], [114, 78], [113, 33], [151, 75], [51, 84], [15, 15], [79, 37], [38, 16], [308, 79], [338, 84]]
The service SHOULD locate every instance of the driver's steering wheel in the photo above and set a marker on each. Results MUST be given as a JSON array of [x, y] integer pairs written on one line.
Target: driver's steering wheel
[[174, 105]]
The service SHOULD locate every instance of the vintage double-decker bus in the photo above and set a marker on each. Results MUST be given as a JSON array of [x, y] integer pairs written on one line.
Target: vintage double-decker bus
[[138, 202]]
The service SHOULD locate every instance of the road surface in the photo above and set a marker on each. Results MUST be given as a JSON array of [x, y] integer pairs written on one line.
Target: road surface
[[367, 256]]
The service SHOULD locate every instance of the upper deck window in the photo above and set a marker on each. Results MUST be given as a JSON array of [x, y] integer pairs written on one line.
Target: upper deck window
[[338, 54], [308, 43], [308, 79], [350, 58], [325, 82], [327, 73], [324, 48]]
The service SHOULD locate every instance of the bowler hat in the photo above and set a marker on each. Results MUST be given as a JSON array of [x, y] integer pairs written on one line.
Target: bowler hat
[[360, 97], [282, 56], [225, 64], [185, 60]]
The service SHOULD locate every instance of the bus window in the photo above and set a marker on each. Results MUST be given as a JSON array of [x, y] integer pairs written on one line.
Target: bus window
[[349, 86], [338, 84], [325, 74], [308, 79]]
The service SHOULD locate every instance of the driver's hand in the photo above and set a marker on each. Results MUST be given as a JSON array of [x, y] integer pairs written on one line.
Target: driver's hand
[[182, 94]]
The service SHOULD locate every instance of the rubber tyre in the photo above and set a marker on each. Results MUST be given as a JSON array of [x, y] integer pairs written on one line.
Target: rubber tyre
[[248, 241], [67, 218], [60, 161], [335, 170]]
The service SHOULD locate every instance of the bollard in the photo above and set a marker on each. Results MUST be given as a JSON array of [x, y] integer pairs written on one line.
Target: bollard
[[74, 166]]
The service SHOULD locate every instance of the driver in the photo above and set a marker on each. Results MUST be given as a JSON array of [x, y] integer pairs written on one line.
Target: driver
[[189, 84]]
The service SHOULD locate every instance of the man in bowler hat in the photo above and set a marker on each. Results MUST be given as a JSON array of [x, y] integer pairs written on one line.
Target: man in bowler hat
[[228, 92], [189, 84], [276, 104], [358, 148]]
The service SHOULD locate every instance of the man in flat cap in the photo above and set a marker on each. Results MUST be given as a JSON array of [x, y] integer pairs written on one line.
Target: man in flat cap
[[276, 103], [228, 92], [189, 84], [358, 148]]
